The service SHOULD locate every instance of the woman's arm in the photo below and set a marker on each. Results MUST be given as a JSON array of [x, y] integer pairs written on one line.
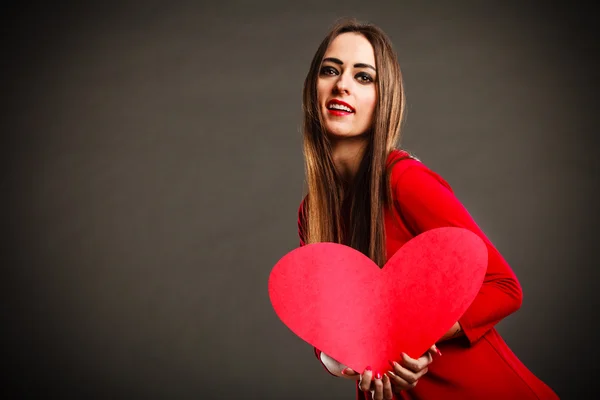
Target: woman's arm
[[454, 332], [427, 202]]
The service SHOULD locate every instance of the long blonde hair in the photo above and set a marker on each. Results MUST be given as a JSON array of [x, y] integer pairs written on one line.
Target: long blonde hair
[[369, 193]]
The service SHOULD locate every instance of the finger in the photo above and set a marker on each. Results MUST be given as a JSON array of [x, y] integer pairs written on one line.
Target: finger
[[365, 379], [349, 373], [408, 375], [426, 358], [377, 387], [434, 350], [388, 394], [418, 364], [399, 383]]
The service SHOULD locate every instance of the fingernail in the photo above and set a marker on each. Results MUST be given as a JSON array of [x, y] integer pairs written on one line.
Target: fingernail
[[438, 351], [344, 371], [378, 375], [391, 363], [368, 368]]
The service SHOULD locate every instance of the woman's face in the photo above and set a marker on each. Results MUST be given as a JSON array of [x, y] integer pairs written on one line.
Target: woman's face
[[346, 90]]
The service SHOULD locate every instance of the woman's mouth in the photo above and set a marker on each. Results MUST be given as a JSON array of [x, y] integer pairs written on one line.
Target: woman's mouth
[[339, 108]]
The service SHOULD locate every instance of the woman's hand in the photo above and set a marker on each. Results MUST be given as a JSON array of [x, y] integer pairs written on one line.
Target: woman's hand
[[379, 385], [403, 376], [406, 374]]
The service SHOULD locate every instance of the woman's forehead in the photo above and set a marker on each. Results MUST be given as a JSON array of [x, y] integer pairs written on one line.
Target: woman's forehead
[[351, 47]]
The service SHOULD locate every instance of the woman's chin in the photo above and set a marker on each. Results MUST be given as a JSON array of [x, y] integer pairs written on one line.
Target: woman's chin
[[345, 135]]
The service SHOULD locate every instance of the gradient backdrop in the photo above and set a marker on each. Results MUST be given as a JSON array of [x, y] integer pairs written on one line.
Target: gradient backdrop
[[152, 171]]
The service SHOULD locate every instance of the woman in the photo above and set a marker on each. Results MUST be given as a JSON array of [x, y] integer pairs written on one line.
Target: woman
[[365, 193]]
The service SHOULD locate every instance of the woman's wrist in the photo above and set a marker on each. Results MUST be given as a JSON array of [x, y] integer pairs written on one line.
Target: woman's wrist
[[332, 365], [454, 332]]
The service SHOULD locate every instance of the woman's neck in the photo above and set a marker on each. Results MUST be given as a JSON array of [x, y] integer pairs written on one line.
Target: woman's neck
[[347, 155]]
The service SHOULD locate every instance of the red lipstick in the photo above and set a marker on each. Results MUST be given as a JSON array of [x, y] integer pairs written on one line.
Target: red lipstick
[[339, 111]]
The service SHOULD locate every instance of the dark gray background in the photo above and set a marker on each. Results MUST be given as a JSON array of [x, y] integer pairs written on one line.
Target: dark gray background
[[152, 171]]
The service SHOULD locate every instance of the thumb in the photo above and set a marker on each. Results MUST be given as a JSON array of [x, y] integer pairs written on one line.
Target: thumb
[[349, 372], [434, 350]]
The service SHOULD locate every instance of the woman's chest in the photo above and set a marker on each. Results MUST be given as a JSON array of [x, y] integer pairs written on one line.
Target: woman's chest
[[397, 233]]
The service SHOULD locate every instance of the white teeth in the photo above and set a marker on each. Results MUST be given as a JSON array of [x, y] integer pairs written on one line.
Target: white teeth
[[336, 106]]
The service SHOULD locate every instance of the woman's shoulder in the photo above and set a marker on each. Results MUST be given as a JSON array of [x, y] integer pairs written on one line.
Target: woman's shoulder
[[397, 155], [404, 168], [399, 161]]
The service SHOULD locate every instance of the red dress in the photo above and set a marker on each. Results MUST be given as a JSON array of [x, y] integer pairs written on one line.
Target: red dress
[[479, 365]]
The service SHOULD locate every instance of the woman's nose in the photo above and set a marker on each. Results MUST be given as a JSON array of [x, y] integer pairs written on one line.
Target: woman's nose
[[342, 85]]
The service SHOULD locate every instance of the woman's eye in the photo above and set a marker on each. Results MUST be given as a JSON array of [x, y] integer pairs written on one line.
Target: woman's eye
[[328, 71], [363, 77]]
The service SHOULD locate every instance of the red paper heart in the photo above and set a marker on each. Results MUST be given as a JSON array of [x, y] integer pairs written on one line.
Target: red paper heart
[[338, 300]]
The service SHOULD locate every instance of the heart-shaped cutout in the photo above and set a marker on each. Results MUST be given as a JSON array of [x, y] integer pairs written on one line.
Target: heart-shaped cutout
[[336, 299]]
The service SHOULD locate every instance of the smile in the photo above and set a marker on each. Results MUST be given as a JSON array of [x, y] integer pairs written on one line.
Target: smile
[[338, 107]]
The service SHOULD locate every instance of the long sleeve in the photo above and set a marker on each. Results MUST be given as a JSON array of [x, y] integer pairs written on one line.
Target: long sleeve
[[426, 201]]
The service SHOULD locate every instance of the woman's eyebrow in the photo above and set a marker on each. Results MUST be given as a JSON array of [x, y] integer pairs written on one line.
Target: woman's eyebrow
[[357, 65]]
